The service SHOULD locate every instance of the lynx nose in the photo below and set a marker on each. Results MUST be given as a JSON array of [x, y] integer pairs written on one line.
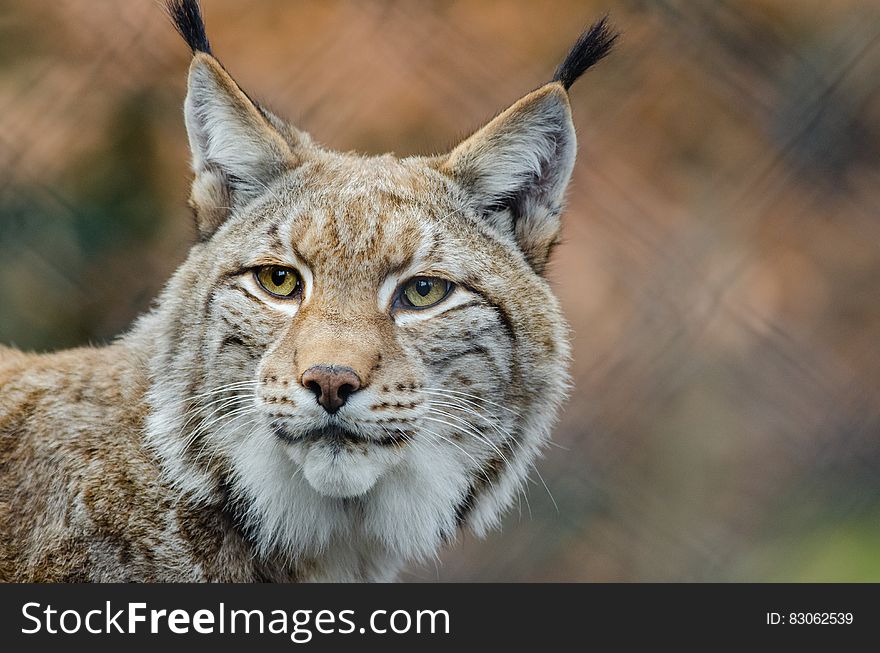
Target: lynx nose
[[332, 384]]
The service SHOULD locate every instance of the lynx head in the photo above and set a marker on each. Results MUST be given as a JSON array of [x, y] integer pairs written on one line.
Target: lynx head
[[362, 348]]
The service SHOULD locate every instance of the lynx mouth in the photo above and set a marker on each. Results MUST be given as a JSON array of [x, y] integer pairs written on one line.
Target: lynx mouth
[[336, 435]]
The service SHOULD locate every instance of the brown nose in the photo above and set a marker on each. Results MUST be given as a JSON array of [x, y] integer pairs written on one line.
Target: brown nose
[[332, 384]]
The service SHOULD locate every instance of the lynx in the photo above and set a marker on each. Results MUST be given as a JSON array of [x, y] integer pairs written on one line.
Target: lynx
[[359, 358]]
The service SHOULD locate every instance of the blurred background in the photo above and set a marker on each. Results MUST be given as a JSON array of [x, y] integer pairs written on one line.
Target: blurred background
[[720, 266]]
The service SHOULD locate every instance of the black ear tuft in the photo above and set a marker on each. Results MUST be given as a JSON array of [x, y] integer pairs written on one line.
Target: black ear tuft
[[187, 18], [593, 45]]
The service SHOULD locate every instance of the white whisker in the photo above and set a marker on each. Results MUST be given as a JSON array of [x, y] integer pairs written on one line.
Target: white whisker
[[471, 430], [471, 396]]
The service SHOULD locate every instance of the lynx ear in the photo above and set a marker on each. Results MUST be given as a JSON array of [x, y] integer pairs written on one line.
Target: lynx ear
[[236, 151], [237, 147], [516, 169]]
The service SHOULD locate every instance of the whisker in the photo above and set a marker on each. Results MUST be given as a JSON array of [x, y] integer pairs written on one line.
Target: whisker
[[549, 493], [470, 430], [214, 402], [491, 422], [494, 422], [224, 403], [472, 396], [230, 418], [205, 426], [508, 438], [223, 388], [477, 466]]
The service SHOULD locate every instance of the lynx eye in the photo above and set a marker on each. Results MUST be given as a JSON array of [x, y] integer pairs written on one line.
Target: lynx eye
[[422, 292], [278, 280]]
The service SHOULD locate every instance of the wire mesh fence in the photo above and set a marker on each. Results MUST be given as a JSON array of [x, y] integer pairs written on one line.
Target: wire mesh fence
[[720, 266]]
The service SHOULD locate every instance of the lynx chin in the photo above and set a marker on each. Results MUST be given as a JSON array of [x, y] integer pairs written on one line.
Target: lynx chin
[[358, 359]]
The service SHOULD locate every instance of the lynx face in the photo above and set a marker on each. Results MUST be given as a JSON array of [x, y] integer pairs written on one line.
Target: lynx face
[[361, 349]]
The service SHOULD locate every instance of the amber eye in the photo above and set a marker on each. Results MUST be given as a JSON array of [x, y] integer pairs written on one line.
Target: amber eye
[[277, 280], [422, 292]]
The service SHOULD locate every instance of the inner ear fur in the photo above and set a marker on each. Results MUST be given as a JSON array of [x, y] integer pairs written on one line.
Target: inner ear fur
[[517, 167], [236, 149]]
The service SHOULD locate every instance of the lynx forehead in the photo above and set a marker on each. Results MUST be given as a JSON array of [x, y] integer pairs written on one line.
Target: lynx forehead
[[358, 358]]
